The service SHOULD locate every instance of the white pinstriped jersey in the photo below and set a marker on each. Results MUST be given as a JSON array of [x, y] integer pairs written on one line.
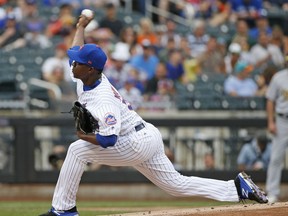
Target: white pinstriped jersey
[[113, 113]]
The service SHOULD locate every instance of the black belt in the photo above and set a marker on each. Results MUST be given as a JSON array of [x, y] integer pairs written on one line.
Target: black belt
[[282, 115], [139, 127]]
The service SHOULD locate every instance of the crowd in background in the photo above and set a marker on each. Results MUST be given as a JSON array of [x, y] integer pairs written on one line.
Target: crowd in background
[[147, 60]]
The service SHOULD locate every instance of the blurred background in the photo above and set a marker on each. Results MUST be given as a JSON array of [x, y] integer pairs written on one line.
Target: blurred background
[[171, 60]]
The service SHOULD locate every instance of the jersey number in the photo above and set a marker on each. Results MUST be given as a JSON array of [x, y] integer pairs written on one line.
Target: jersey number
[[117, 95]]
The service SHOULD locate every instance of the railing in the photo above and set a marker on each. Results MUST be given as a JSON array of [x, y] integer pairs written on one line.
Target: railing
[[166, 14], [47, 85]]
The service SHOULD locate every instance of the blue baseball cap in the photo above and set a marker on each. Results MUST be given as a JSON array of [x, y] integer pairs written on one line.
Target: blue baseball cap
[[89, 54]]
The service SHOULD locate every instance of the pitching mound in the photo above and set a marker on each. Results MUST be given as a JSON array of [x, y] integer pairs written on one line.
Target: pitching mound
[[277, 209]]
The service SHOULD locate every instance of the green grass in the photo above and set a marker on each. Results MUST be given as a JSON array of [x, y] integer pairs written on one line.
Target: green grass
[[29, 208]]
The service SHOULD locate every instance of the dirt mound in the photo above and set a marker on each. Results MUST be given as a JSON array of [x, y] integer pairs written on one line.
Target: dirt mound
[[276, 209]]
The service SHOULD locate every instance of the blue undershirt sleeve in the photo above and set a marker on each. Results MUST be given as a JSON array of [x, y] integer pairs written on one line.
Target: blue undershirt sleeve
[[106, 141]]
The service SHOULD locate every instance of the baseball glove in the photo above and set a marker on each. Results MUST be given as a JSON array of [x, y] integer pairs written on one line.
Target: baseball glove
[[84, 121]]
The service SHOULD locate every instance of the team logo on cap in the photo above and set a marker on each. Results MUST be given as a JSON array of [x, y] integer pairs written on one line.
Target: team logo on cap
[[110, 119]]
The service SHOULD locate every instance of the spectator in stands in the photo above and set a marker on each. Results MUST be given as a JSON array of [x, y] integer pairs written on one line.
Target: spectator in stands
[[232, 57], [170, 33], [131, 93], [129, 36], [59, 79], [221, 44], [212, 59], [32, 26], [284, 5], [140, 79], [245, 50], [63, 24], [279, 39], [30, 11], [209, 160], [146, 32], [275, 4], [160, 78], [111, 21], [60, 60], [118, 70], [103, 37], [239, 84], [35, 38], [152, 84], [11, 36], [2, 17], [261, 25], [31, 16], [163, 98], [102, 3], [67, 90], [198, 39], [174, 65], [57, 157], [191, 71], [246, 9], [204, 9], [255, 155], [185, 48], [163, 54], [147, 61], [242, 33], [170, 154], [221, 12], [266, 53], [136, 49], [11, 8], [264, 79], [191, 65], [188, 9]]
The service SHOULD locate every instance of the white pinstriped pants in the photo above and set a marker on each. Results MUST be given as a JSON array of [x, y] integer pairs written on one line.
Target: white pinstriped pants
[[143, 150]]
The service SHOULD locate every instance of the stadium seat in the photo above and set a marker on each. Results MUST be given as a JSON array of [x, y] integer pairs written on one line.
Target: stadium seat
[[207, 103], [243, 103]]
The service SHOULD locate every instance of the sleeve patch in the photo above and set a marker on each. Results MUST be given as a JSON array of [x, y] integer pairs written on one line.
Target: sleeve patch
[[110, 119]]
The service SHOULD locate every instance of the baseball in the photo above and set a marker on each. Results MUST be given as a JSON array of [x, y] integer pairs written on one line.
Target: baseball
[[88, 13]]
